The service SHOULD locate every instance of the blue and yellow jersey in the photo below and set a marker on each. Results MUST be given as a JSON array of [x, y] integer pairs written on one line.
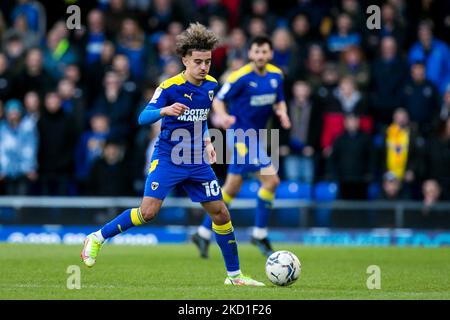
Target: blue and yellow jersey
[[186, 130], [250, 96]]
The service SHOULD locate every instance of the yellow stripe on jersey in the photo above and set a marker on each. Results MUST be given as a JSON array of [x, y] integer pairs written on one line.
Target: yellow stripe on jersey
[[226, 228], [273, 69], [236, 75], [209, 78], [153, 165], [176, 80]]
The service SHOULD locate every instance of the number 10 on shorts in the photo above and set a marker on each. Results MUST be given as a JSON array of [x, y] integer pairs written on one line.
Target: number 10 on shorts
[[212, 188]]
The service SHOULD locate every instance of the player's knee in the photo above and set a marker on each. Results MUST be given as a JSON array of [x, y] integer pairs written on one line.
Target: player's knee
[[149, 213], [272, 184], [220, 215]]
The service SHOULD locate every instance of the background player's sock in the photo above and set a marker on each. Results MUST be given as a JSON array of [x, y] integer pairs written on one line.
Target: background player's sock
[[263, 208], [127, 219], [204, 230], [227, 242]]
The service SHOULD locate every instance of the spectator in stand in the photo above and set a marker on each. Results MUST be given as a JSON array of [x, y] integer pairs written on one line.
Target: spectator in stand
[[33, 77], [212, 9], [15, 51], [116, 13], [166, 51], [219, 54], [351, 161], [434, 53], [97, 71], [284, 51], [109, 175], [171, 69], [6, 79], [59, 52], [18, 150], [237, 46], [73, 73], [235, 64], [346, 99], [432, 193], [388, 76], [260, 9], [391, 26], [56, 147], [163, 12], [329, 83], [314, 66], [401, 150], [256, 27], [355, 12], [352, 63], [392, 188], [32, 103], [115, 102], [90, 147], [344, 35], [72, 104], [20, 29], [132, 43], [121, 66], [306, 119], [437, 159], [302, 35], [420, 98], [90, 43], [34, 13]]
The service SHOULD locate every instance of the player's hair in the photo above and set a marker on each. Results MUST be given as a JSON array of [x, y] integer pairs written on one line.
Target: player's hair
[[260, 40], [197, 38]]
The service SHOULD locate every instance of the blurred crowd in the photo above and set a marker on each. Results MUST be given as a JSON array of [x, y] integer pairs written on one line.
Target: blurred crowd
[[368, 107]]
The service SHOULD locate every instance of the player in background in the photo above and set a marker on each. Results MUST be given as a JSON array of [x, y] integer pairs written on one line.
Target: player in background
[[252, 93], [183, 103]]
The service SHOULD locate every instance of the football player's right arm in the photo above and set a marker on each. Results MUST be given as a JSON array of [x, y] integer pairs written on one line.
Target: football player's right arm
[[228, 91], [156, 108]]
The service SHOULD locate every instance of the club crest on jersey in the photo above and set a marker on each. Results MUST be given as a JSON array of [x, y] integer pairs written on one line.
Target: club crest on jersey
[[155, 185], [274, 83], [211, 94]]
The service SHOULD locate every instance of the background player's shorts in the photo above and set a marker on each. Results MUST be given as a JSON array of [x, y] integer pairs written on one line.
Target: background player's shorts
[[247, 156], [199, 181]]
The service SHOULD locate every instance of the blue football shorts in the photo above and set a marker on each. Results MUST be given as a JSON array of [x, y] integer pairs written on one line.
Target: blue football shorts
[[198, 180]]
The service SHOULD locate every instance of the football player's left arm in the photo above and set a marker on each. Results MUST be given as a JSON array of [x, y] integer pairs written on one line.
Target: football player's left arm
[[281, 111]]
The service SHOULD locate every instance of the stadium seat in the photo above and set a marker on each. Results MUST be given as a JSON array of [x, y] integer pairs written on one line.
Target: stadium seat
[[249, 189], [291, 190], [374, 191], [324, 192]]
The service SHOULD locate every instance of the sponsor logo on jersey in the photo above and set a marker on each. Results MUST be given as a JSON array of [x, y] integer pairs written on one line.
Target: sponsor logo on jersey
[[188, 96], [274, 83], [194, 115], [262, 100]]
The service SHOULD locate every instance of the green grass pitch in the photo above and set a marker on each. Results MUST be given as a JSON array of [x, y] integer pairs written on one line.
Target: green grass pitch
[[176, 272]]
